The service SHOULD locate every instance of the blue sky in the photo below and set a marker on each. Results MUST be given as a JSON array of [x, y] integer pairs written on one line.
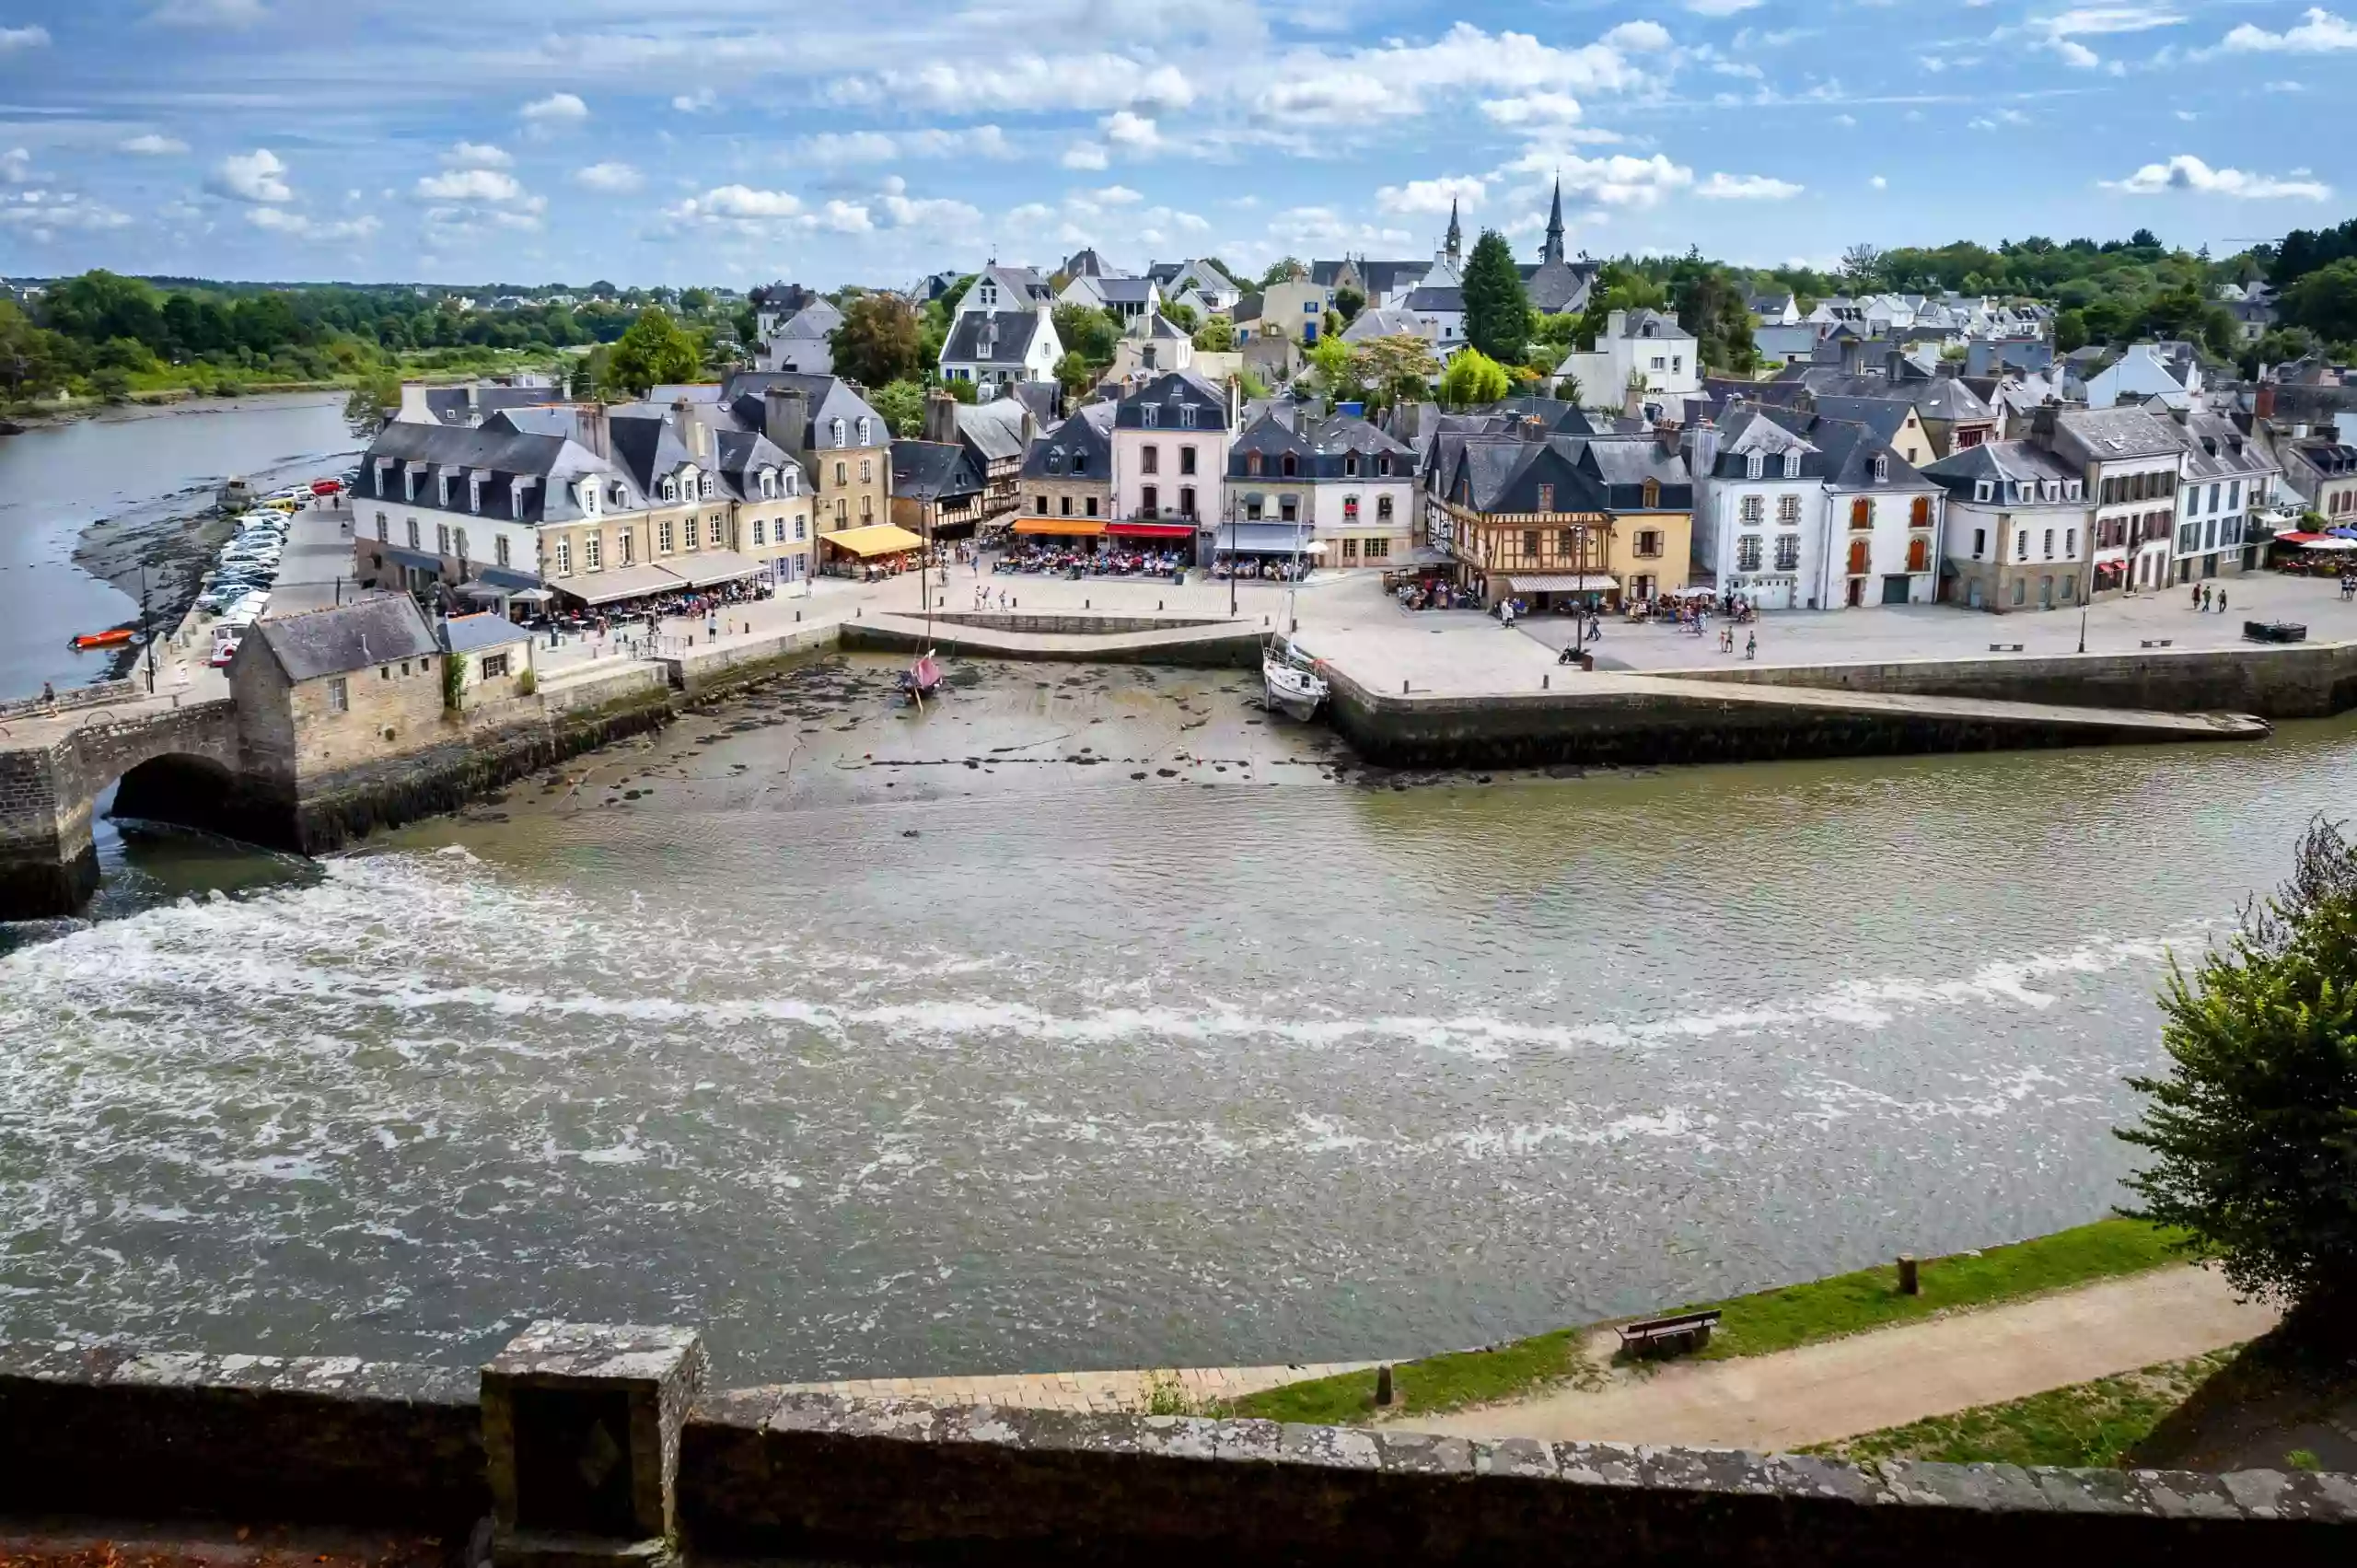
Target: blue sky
[[682, 140]]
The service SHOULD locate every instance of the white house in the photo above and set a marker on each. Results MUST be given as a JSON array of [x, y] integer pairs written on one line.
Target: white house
[[1636, 348], [2228, 477], [1353, 485], [1759, 505], [2131, 460], [2145, 371], [1882, 522], [1212, 291], [1005, 288], [995, 347], [1439, 313]]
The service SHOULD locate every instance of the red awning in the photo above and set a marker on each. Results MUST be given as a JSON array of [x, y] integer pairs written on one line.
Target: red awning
[[1152, 531]]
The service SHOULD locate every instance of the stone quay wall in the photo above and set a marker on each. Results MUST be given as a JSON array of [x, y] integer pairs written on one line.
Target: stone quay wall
[[113, 1432], [1196, 644], [1657, 725], [1080, 623], [2296, 681]]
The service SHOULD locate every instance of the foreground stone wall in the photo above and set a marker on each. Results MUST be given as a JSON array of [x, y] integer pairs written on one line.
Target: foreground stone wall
[[256, 1440], [2300, 681], [1618, 727]]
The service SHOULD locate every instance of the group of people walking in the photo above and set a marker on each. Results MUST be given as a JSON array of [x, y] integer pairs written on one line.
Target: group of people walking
[[2202, 595]]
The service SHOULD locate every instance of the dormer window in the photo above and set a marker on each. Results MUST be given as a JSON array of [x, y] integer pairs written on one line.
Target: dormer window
[[835, 428], [1080, 462], [1288, 466], [866, 431], [617, 495], [516, 500], [474, 492], [1882, 469], [2071, 489], [1754, 465], [769, 483], [1981, 490], [1055, 459], [1651, 493], [1792, 463], [1351, 465], [703, 487], [1383, 465], [1149, 416], [1252, 464], [1186, 416], [671, 489], [588, 493]]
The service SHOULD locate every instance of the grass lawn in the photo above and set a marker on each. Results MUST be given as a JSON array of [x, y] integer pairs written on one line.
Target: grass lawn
[[2087, 1426], [1748, 1325]]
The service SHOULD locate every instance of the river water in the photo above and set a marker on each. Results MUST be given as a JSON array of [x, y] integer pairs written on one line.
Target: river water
[[885, 1044], [83, 503]]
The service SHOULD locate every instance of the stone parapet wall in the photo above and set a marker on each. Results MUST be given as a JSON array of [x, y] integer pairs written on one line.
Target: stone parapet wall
[[259, 1439], [102, 694], [2298, 680], [703, 669]]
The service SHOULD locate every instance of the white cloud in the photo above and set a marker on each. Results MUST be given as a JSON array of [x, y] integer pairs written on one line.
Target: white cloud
[[477, 154], [555, 113], [301, 225], [1085, 154], [2319, 33], [1397, 79], [741, 204], [1115, 196], [41, 214], [838, 147], [1719, 7], [2077, 54], [258, 176], [906, 211], [2098, 20], [489, 185], [1086, 82], [1879, 182], [1532, 109], [1127, 129], [152, 145], [14, 39], [208, 13], [842, 217], [2187, 173], [703, 101], [1619, 180], [615, 179], [1642, 37], [1747, 187], [1433, 196], [16, 165]]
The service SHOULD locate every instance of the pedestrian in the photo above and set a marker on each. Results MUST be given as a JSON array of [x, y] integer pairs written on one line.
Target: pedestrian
[[49, 694], [1751, 645], [2202, 594], [2222, 601], [711, 627], [2196, 596]]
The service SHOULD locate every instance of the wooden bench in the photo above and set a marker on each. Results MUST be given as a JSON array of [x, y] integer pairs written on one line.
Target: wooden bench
[[1668, 1336], [2160, 641], [2004, 647]]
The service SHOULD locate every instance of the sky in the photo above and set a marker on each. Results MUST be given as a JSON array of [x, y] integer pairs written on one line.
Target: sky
[[697, 141]]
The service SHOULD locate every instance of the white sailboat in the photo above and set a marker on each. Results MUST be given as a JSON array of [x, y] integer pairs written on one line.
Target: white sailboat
[[1294, 687]]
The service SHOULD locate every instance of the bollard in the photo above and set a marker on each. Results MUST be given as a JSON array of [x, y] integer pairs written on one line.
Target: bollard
[[1157, 604], [1543, 679], [1089, 604], [1403, 689], [1383, 1391], [797, 617], [1908, 1282]]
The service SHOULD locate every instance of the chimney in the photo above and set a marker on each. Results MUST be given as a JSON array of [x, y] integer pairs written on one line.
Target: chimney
[[1613, 321], [692, 430], [941, 417], [785, 420], [2264, 406], [2041, 423], [1854, 356], [597, 429], [1665, 432], [1705, 440], [2182, 415]]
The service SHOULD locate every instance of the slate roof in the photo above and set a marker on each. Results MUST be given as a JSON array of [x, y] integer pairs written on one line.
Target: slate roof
[[1435, 301], [1127, 291], [459, 405], [538, 447], [2110, 433], [1556, 287], [1884, 416], [814, 320], [993, 431], [1320, 451], [1747, 429], [992, 337], [2004, 464], [1648, 323], [1387, 322], [830, 398], [1248, 309], [1389, 277], [1173, 389], [1850, 451], [934, 470], [467, 634], [1087, 435], [2217, 448], [358, 634]]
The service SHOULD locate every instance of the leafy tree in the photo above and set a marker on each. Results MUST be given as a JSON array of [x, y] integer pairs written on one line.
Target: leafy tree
[[364, 408], [1088, 331], [695, 301], [1473, 378], [2069, 332], [1347, 303], [1216, 335], [2274, 347], [1182, 317], [1281, 271], [2307, 250], [1713, 309], [2144, 239], [1863, 267], [1618, 285], [655, 349], [2325, 302], [879, 340], [1075, 374], [901, 403], [1497, 310], [2254, 1129], [1334, 370], [1395, 369]]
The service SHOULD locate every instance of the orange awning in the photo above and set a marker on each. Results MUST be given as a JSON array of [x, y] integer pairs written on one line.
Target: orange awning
[[1077, 528]]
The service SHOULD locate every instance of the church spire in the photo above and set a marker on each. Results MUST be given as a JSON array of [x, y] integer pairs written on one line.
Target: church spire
[[1553, 249], [1455, 244]]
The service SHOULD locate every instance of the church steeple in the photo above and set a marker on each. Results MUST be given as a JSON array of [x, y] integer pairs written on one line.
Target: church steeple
[[1553, 249], [1455, 244]]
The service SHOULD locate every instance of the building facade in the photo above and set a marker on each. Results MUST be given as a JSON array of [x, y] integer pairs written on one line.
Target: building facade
[[1170, 441], [2016, 530], [2128, 461], [1353, 485], [2228, 478]]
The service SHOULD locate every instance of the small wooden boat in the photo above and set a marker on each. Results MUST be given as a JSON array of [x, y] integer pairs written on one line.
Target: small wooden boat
[[113, 639]]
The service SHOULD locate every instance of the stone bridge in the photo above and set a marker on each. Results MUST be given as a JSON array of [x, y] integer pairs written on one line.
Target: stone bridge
[[184, 764]]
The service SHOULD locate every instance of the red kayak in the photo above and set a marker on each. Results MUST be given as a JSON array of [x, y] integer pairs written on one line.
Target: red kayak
[[113, 639]]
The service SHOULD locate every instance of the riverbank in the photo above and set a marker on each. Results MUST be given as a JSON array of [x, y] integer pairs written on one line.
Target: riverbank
[[1761, 1323]]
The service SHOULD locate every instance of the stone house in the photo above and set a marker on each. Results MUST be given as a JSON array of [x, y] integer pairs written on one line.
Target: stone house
[[1067, 479], [2018, 523], [1355, 486], [2324, 473], [1882, 521], [324, 692], [821, 422], [493, 656], [1293, 308], [1759, 509], [2130, 460]]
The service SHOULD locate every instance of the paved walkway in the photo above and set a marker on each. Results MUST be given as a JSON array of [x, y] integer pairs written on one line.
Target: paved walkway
[[1867, 1382], [1199, 1387]]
